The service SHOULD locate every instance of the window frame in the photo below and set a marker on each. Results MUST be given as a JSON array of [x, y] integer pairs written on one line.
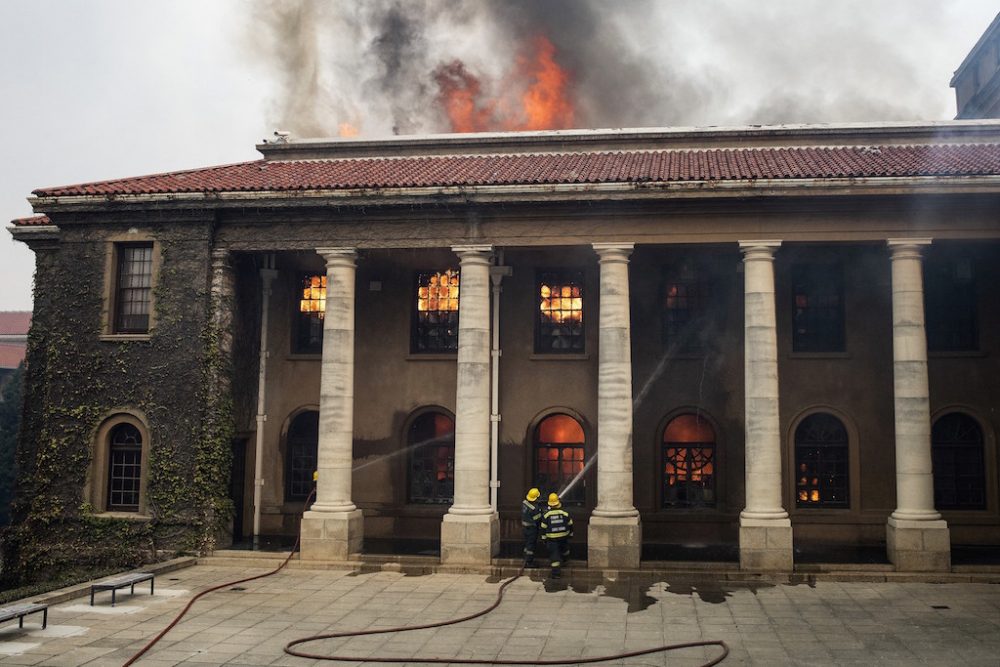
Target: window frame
[[290, 455], [111, 297], [701, 279], [98, 478], [938, 448], [123, 448], [937, 300], [534, 440], [663, 447], [849, 473], [577, 276], [814, 273], [411, 458], [302, 320], [415, 324]]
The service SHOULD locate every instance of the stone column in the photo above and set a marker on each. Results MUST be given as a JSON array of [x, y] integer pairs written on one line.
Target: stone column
[[765, 529], [615, 535], [470, 531], [917, 538], [333, 528]]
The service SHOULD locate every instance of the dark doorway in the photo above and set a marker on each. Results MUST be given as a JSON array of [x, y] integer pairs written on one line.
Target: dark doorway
[[237, 485]]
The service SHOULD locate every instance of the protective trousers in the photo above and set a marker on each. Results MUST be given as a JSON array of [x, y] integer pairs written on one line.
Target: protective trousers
[[530, 543], [558, 554]]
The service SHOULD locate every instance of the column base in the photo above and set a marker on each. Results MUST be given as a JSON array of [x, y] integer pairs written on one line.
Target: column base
[[614, 542], [470, 539], [918, 546], [766, 545], [331, 535]]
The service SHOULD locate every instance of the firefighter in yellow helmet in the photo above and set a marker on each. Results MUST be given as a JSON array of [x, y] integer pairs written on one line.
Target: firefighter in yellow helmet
[[557, 528], [531, 514]]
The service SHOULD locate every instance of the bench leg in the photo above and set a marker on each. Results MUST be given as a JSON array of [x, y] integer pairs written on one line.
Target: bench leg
[[20, 621], [113, 591], [91, 596], [151, 586], [45, 618]]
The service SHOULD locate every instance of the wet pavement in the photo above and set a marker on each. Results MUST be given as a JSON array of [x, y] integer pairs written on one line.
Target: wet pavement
[[585, 614]]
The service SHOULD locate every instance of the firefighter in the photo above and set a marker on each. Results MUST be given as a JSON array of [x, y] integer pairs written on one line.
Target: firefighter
[[531, 514], [557, 528]]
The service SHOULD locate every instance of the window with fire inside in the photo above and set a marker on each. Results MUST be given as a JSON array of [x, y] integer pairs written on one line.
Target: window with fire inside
[[559, 325]]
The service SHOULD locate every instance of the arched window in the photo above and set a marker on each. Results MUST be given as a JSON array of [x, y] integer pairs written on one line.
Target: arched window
[[559, 458], [124, 468], [821, 462], [688, 462], [431, 442], [302, 443], [959, 471]]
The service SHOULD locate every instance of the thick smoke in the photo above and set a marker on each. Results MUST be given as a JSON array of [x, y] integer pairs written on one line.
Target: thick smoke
[[379, 66]]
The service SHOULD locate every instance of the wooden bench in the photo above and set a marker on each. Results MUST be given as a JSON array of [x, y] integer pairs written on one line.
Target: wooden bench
[[19, 611], [121, 582]]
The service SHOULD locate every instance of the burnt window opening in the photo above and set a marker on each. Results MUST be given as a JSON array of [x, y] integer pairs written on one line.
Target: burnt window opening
[[560, 447], [559, 326], [686, 295], [302, 444], [124, 468], [822, 463], [435, 313], [958, 462], [431, 442], [950, 305], [308, 330], [818, 308], [133, 287], [688, 463]]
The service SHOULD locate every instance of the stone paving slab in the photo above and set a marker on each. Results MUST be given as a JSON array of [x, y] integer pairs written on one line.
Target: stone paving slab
[[817, 623]]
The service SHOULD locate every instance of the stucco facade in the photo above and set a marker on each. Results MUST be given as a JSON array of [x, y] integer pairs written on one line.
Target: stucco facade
[[756, 252]]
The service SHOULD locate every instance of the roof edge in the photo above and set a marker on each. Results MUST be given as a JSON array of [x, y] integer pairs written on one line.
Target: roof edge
[[571, 141]]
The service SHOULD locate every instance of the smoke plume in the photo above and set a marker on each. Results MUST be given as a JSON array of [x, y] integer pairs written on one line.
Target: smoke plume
[[426, 66]]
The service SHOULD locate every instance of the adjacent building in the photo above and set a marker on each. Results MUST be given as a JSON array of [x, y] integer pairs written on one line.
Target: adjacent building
[[977, 79], [760, 337], [13, 341]]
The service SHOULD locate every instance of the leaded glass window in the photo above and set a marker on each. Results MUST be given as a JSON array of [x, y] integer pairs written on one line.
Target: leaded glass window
[[821, 462], [435, 324], [124, 468], [818, 313], [688, 463], [950, 305], [685, 298], [302, 444], [957, 455], [559, 327], [559, 459], [311, 294], [133, 289], [431, 442]]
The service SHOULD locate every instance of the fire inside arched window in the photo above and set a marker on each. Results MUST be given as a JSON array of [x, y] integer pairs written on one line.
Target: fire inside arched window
[[688, 463], [432, 459], [559, 327], [559, 458], [435, 323], [821, 462], [959, 471]]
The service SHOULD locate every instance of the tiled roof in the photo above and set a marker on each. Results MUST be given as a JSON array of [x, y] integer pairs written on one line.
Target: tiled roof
[[562, 168], [11, 355], [33, 221], [15, 322]]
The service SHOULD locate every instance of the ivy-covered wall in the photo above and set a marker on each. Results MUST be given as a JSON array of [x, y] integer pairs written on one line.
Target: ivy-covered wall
[[178, 379]]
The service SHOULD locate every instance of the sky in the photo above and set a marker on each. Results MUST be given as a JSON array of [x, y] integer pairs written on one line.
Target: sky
[[99, 89]]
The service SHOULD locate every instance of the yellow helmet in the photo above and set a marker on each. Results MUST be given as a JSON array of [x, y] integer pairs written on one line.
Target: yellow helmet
[[533, 494], [554, 500]]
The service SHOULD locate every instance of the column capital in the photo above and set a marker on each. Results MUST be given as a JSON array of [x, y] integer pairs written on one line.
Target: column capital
[[762, 249], [617, 250], [907, 248], [343, 256], [472, 250]]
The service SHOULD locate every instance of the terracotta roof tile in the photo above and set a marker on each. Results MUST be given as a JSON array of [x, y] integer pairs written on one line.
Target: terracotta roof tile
[[11, 354], [14, 322], [561, 168], [33, 221]]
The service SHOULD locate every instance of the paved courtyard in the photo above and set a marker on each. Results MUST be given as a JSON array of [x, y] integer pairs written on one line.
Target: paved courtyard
[[826, 623]]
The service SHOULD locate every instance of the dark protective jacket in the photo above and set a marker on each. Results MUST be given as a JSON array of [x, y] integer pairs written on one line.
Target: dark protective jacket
[[556, 524], [531, 514]]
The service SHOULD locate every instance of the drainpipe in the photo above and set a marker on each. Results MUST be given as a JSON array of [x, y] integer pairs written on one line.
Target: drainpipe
[[497, 274], [267, 276]]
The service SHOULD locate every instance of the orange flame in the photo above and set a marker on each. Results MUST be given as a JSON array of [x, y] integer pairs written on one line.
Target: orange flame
[[347, 130], [538, 97]]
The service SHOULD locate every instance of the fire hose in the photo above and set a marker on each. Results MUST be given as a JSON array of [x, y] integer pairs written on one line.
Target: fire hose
[[290, 650]]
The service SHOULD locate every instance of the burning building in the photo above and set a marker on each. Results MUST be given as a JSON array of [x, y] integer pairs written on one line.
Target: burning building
[[761, 337]]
